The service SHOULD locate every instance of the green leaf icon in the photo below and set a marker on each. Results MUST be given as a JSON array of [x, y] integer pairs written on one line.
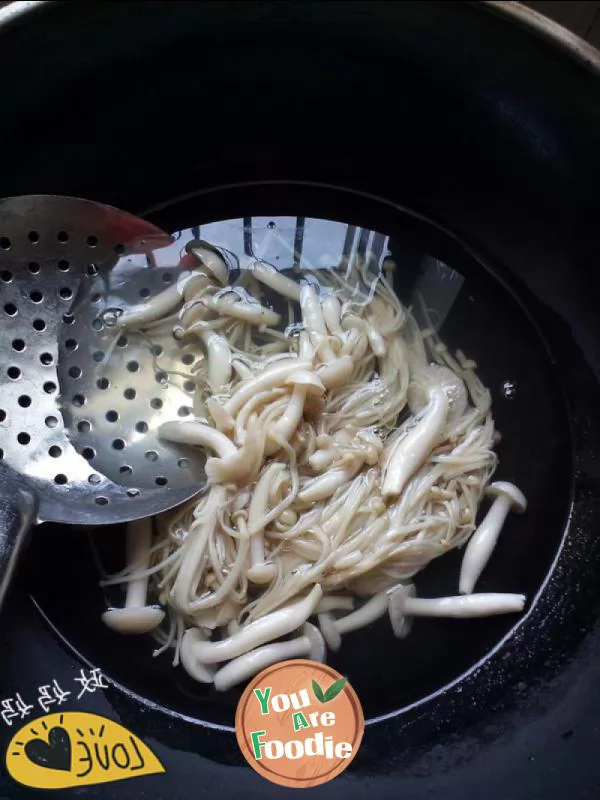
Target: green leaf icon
[[334, 689], [318, 692], [332, 692]]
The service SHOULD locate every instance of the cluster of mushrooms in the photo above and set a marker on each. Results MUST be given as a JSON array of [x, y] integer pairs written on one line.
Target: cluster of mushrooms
[[347, 448]]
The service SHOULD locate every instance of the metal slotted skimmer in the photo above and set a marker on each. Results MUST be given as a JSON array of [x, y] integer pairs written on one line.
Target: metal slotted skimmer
[[80, 403]]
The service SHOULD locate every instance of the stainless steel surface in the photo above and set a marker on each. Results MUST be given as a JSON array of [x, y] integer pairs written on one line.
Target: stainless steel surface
[[118, 387], [50, 250]]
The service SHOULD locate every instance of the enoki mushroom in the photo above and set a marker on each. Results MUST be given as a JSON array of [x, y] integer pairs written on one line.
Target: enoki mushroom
[[344, 453]]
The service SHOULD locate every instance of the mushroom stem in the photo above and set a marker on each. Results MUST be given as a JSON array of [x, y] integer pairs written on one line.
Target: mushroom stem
[[332, 312], [335, 602], [193, 311], [325, 485], [259, 571], [240, 465], [136, 616], [138, 543], [376, 341], [482, 543], [288, 421], [253, 313], [332, 629], [314, 322], [306, 351], [269, 627], [321, 459], [144, 313], [219, 359], [196, 546], [312, 313], [415, 443], [337, 372], [242, 370], [474, 605], [270, 378], [403, 606], [249, 664], [272, 278], [348, 560], [194, 668], [197, 433]]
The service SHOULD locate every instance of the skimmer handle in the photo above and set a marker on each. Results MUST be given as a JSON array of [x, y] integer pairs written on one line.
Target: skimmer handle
[[18, 508]]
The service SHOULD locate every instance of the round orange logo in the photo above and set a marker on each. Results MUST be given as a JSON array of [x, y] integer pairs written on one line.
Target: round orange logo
[[299, 723]]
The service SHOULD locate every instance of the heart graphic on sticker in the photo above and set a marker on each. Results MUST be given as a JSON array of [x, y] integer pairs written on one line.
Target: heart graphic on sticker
[[55, 754]]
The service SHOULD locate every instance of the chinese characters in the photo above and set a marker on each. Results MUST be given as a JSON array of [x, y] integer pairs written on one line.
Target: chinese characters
[[50, 696]]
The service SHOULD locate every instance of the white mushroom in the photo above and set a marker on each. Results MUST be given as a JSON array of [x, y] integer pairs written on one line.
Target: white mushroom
[[335, 602], [241, 369], [261, 631], [336, 373], [197, 433], [376, 341], [332, 629], [232, 464], [194, 668], [238, 309], [155, 308], [217, 616], [312, 313], [403, 605], [261, 572], [309, 645], [210, 258], [321, 459], [337, 456], [269, 378], [271, 277], [332, 312], [136, 616], [436, 375], [397, 597], [304, 382], [482, 542], [222, 419], [327, 484], [239, 466], [190, 313], [414, 443], [219, 359], [348, 560]]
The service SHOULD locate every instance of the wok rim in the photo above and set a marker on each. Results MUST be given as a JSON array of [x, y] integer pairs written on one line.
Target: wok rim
[[517, 13]]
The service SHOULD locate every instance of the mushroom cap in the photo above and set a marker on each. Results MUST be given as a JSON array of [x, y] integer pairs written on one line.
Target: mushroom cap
[[318, 650], [330, 632], [436, 375], [210, 257], [262, 573], [189, 282], [204, 673], [512, 492], [140, 619], [401, 623], [304, 377]]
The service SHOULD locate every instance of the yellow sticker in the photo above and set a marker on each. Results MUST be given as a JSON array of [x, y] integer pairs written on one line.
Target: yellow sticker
[[74, 748]]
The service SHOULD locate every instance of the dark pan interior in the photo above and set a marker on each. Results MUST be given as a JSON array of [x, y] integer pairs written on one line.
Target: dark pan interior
[[495, 329]]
